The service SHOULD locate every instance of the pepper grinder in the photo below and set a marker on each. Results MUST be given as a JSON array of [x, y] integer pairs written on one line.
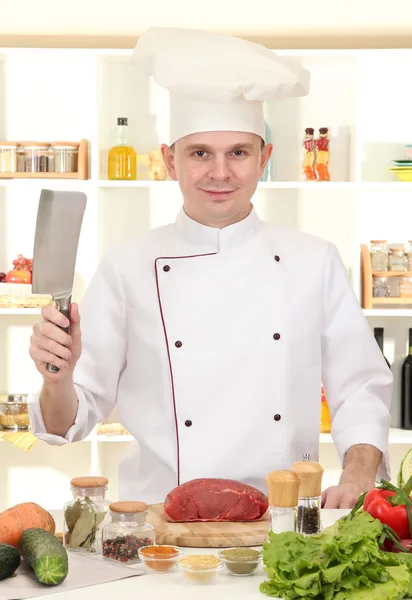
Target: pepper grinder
[[310, 496], [283, 488]]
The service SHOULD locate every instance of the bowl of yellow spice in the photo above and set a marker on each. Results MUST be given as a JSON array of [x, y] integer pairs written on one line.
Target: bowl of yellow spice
[[241, 561], [200, 568]]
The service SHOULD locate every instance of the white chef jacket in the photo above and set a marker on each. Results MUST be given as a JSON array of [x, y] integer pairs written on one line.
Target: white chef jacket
[[213, 343]]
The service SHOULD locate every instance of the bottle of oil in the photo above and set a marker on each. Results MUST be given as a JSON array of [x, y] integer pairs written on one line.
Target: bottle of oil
[[122, 157]]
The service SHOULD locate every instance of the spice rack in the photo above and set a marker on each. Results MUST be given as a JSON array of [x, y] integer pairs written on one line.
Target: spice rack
[[367, 274], [81, 173]]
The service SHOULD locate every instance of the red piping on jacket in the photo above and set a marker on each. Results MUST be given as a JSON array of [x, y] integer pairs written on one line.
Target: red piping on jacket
[[168, 348]]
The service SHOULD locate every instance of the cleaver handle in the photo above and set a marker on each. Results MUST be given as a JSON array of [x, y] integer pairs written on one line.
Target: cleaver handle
[[63, 306]]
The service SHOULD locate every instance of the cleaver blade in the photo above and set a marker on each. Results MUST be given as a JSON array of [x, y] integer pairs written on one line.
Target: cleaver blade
[[58, 225]]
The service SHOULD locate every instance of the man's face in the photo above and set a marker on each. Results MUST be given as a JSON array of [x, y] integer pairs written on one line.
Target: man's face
[[218, 173]]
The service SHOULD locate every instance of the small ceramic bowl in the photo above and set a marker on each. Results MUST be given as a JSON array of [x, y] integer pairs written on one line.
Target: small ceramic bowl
[[194, 574], [239, 566], [157, 563]]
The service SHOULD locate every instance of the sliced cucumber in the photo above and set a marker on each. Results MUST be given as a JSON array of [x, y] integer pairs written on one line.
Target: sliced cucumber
[[405, 470]]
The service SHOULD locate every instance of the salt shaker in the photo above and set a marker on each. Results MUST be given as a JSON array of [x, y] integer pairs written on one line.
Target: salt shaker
[[310, 496], [283, 488]]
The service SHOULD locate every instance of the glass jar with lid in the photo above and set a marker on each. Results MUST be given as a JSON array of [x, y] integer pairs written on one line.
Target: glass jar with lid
[[398, 260], [8, 157], [127, 532], [34, 157], [381, 287], [65, 157], [405, 287], [379, 255], [86, 514]]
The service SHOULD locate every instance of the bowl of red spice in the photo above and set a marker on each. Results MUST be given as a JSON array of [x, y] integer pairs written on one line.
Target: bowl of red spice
[[160, 558]]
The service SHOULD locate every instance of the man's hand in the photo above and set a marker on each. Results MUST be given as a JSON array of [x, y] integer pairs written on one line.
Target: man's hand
[[358, 476], [343, 495]]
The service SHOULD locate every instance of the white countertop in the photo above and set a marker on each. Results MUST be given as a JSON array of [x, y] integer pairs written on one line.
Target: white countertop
[[173, 586]]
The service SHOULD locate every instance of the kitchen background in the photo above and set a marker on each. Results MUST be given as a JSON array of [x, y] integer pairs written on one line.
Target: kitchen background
[[359, 90]]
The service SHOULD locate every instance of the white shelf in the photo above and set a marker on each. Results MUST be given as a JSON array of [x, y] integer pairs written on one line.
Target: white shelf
[[114, 438], [19, 311], [376, 312], [396, 436], [281, 185]]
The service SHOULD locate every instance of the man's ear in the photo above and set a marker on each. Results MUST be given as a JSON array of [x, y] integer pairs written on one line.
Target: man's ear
[[168, 153]]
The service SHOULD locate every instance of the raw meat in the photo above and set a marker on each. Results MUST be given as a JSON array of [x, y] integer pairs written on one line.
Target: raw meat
[[215, 500]]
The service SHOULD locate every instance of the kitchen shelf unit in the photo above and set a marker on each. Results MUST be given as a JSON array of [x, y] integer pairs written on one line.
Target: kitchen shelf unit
[[89, 89]]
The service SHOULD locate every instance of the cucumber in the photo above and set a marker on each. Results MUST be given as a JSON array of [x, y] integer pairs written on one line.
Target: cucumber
[[405, 470], [45, 555], [9, 560]]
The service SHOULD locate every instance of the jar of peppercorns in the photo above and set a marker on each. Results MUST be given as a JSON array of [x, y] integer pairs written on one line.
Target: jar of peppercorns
[[127, 532], [310, 473]]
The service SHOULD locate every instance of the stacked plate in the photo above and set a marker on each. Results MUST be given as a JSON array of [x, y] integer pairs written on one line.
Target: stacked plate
[[403, 168]]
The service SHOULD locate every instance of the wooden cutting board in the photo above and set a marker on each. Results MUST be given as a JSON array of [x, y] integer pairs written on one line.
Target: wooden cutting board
[[224, 534]]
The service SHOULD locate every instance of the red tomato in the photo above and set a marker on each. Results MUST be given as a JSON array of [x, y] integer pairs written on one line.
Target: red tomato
[[18, 276]]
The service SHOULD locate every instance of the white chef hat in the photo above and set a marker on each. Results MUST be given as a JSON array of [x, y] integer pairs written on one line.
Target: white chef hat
[[216, 82]]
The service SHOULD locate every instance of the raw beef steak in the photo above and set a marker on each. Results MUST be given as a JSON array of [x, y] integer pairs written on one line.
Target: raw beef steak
[[215, 500]]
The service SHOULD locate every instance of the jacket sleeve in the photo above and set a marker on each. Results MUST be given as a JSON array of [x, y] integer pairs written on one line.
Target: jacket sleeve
[[104, 343], [356, 378]]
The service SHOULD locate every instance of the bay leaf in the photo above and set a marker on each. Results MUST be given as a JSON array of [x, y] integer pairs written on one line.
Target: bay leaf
[[83, 527], [72, 514]]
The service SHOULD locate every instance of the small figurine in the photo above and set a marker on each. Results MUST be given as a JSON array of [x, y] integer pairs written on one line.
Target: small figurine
[[308, 166], [322, 155]]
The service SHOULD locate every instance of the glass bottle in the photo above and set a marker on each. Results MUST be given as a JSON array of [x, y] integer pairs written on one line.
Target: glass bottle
[[378, 335], [283, 487], [379, 255], [325, 420], [310, 496], [86, 514], [406, 388], [122, 157], [322, 155], [381, 287], [127, 532], [308, 166]]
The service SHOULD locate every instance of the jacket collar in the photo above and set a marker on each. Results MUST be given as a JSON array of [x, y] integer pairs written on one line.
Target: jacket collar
[[217, 240]]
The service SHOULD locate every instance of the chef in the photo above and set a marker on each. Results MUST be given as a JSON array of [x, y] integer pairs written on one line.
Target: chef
[[213, 353]]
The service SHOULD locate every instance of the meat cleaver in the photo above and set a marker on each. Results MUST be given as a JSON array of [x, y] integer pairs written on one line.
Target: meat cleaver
[[58, 225]]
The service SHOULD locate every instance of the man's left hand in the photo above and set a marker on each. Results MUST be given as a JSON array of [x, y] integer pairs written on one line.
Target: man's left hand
[[343, 495]]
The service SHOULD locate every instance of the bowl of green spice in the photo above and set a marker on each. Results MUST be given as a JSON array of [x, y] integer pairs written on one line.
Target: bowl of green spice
[[241, 561]]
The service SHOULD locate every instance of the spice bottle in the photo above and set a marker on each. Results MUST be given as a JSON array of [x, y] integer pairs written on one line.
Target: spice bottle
[[322, 155], [127, 532], [86, 514], [310, 496], [283, 488], [308, 166]]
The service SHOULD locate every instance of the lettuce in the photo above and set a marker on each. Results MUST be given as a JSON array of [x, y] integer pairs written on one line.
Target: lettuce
[[343, 562]]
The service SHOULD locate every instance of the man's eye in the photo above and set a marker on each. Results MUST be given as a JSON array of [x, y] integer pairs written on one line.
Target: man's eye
[[200, 153], [239, 152]]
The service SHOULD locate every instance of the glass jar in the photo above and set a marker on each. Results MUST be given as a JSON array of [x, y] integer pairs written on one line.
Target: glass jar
[[381, 287], [409, 257], [308, 519], [398, 260], [33, 157], [65, 157], [8, 157], [14, 412], [405, 287], [379, 255], [86, 514], [127, 532]]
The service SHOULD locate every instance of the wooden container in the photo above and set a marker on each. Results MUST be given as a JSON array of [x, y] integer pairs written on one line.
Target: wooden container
[[283, 488], [367, 299]]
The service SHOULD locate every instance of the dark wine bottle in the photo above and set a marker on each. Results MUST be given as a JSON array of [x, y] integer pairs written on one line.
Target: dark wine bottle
[[378, 333], [406, 402]]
